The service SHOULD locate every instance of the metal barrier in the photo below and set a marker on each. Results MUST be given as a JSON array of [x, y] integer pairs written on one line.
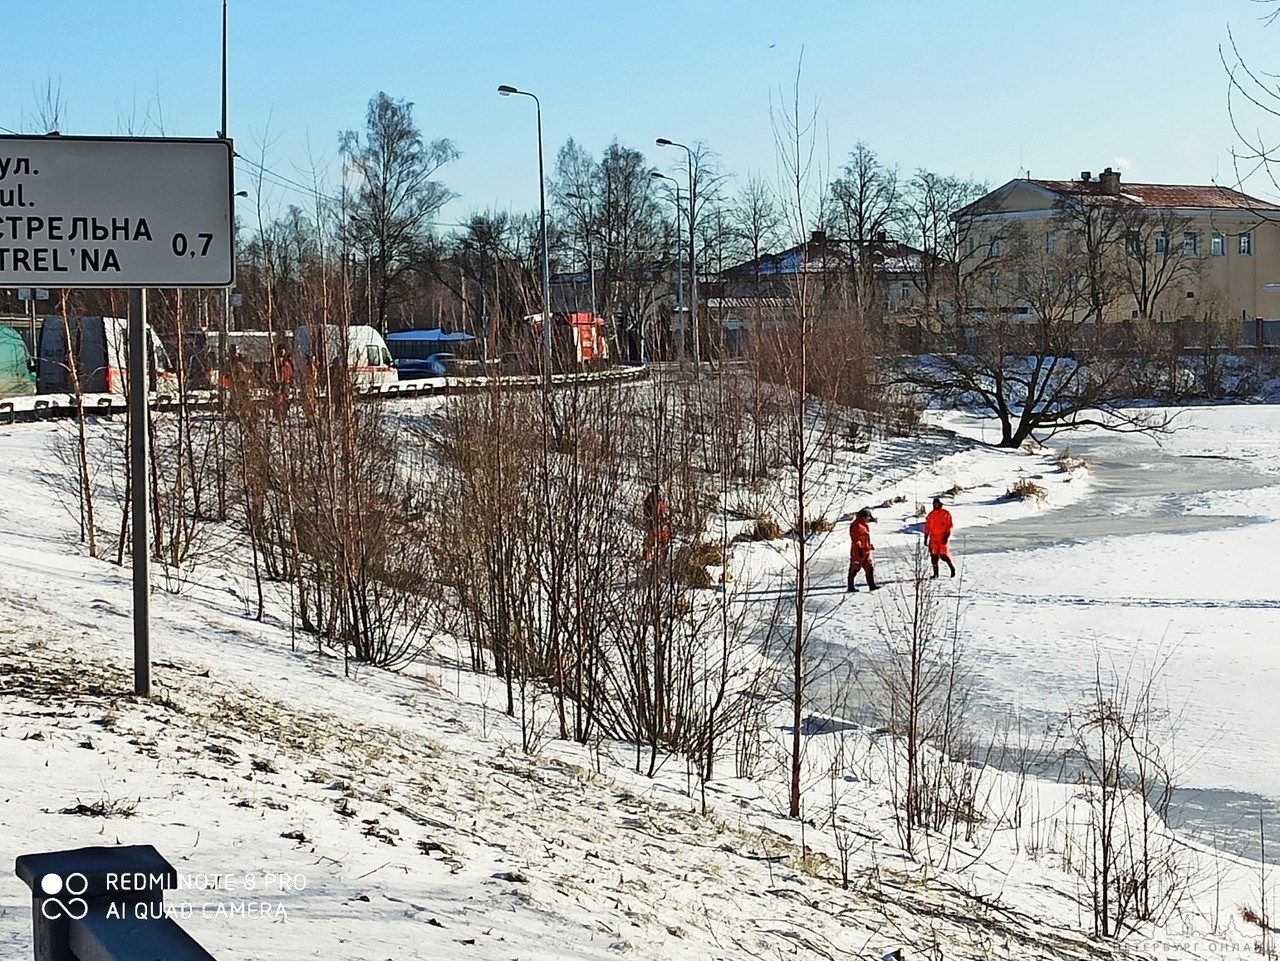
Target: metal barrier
[[104, 904], [49, 408]]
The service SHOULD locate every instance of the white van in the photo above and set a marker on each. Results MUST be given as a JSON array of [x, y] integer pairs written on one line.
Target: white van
[[100, 348], [256, 350], [368, 359]]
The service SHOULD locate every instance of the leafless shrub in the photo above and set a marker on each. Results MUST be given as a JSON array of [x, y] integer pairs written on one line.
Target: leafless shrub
[[1132, 864], [923, 693]]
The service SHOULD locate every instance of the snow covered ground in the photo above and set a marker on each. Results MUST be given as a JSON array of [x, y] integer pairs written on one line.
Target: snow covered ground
[[411, 825]]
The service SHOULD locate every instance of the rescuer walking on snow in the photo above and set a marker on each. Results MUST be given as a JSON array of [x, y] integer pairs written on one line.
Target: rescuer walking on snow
[[937, 531], [860, 549], [657, 520]]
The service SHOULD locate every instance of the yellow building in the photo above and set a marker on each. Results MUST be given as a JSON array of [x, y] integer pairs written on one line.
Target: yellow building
[[1158, 252]]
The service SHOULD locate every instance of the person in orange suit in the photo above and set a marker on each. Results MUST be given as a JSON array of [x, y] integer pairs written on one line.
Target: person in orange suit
[[937, 531], [860, 549], [658, 522]]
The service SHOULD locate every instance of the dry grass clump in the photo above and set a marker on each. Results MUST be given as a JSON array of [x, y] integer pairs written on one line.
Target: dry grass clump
[[706, 554], [1066, 461], [689, 565], [1025, 489], [685, 571], [819, 525], [764, 529], [104, 807]]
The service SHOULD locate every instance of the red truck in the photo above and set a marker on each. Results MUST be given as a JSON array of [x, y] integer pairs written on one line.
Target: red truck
[[577, 338]]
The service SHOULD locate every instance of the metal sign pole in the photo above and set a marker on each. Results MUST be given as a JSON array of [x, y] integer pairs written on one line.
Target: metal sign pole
[[140, 480]]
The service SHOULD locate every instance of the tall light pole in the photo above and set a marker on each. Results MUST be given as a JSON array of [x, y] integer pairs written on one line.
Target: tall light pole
[[506, 91], [679, 261], [586, 233], [693, 255]]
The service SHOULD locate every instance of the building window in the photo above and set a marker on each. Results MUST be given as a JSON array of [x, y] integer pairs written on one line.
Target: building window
[[1191, 243], [1133, 244], [1162, 243], [1050, 243], [997, 246], [1246, 245], [1217, 244]]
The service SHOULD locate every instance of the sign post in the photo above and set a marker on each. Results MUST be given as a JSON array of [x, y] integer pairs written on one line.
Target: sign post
[[140, 477], [31, 295], [120, 212]]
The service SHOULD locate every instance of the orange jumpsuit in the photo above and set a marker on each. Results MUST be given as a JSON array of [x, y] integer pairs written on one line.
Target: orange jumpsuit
[[860, 551], [937, 531]]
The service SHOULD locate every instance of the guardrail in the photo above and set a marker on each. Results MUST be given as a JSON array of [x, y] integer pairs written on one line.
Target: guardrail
[[104, 904], [51, 406]]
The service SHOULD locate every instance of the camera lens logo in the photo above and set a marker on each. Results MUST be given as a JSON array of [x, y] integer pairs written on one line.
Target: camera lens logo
[[62, 896]]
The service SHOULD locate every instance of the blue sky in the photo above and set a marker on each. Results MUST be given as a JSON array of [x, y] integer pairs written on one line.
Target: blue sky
[[981, 88]]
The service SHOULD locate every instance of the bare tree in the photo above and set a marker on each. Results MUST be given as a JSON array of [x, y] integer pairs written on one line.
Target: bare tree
[[389, 219], [1028, 347], [1252, 91], [757, 224], [865, 207], [1160, 252], [947, 264]]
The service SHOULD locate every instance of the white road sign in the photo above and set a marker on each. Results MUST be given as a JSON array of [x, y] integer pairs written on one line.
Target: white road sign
[[115, 212]]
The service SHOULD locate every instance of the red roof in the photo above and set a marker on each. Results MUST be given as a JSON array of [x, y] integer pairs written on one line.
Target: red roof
[[1162, 195]]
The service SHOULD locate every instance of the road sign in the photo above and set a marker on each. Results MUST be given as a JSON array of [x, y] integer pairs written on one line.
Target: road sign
[[32, 293], [115, 212]]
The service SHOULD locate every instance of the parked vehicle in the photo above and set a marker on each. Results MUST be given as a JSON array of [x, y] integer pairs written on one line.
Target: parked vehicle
[[369, 363], [577, 338], [100, 352], [17, 371], [254, 350], [428, 353], [436, 365]]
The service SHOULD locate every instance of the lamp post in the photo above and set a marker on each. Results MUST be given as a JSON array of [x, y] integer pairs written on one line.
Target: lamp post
[[693, 256], [506, 91], [679, 261], [586, 233]]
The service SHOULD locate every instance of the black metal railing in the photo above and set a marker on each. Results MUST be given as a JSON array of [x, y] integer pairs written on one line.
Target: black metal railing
[[104, 904]]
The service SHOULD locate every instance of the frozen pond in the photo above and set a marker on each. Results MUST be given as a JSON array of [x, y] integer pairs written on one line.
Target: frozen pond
[[1167, 559]]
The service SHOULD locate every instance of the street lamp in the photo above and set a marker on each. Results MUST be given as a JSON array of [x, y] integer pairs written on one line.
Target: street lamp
[[657, 175], [506, 90], [693, 256], [586, 233]]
